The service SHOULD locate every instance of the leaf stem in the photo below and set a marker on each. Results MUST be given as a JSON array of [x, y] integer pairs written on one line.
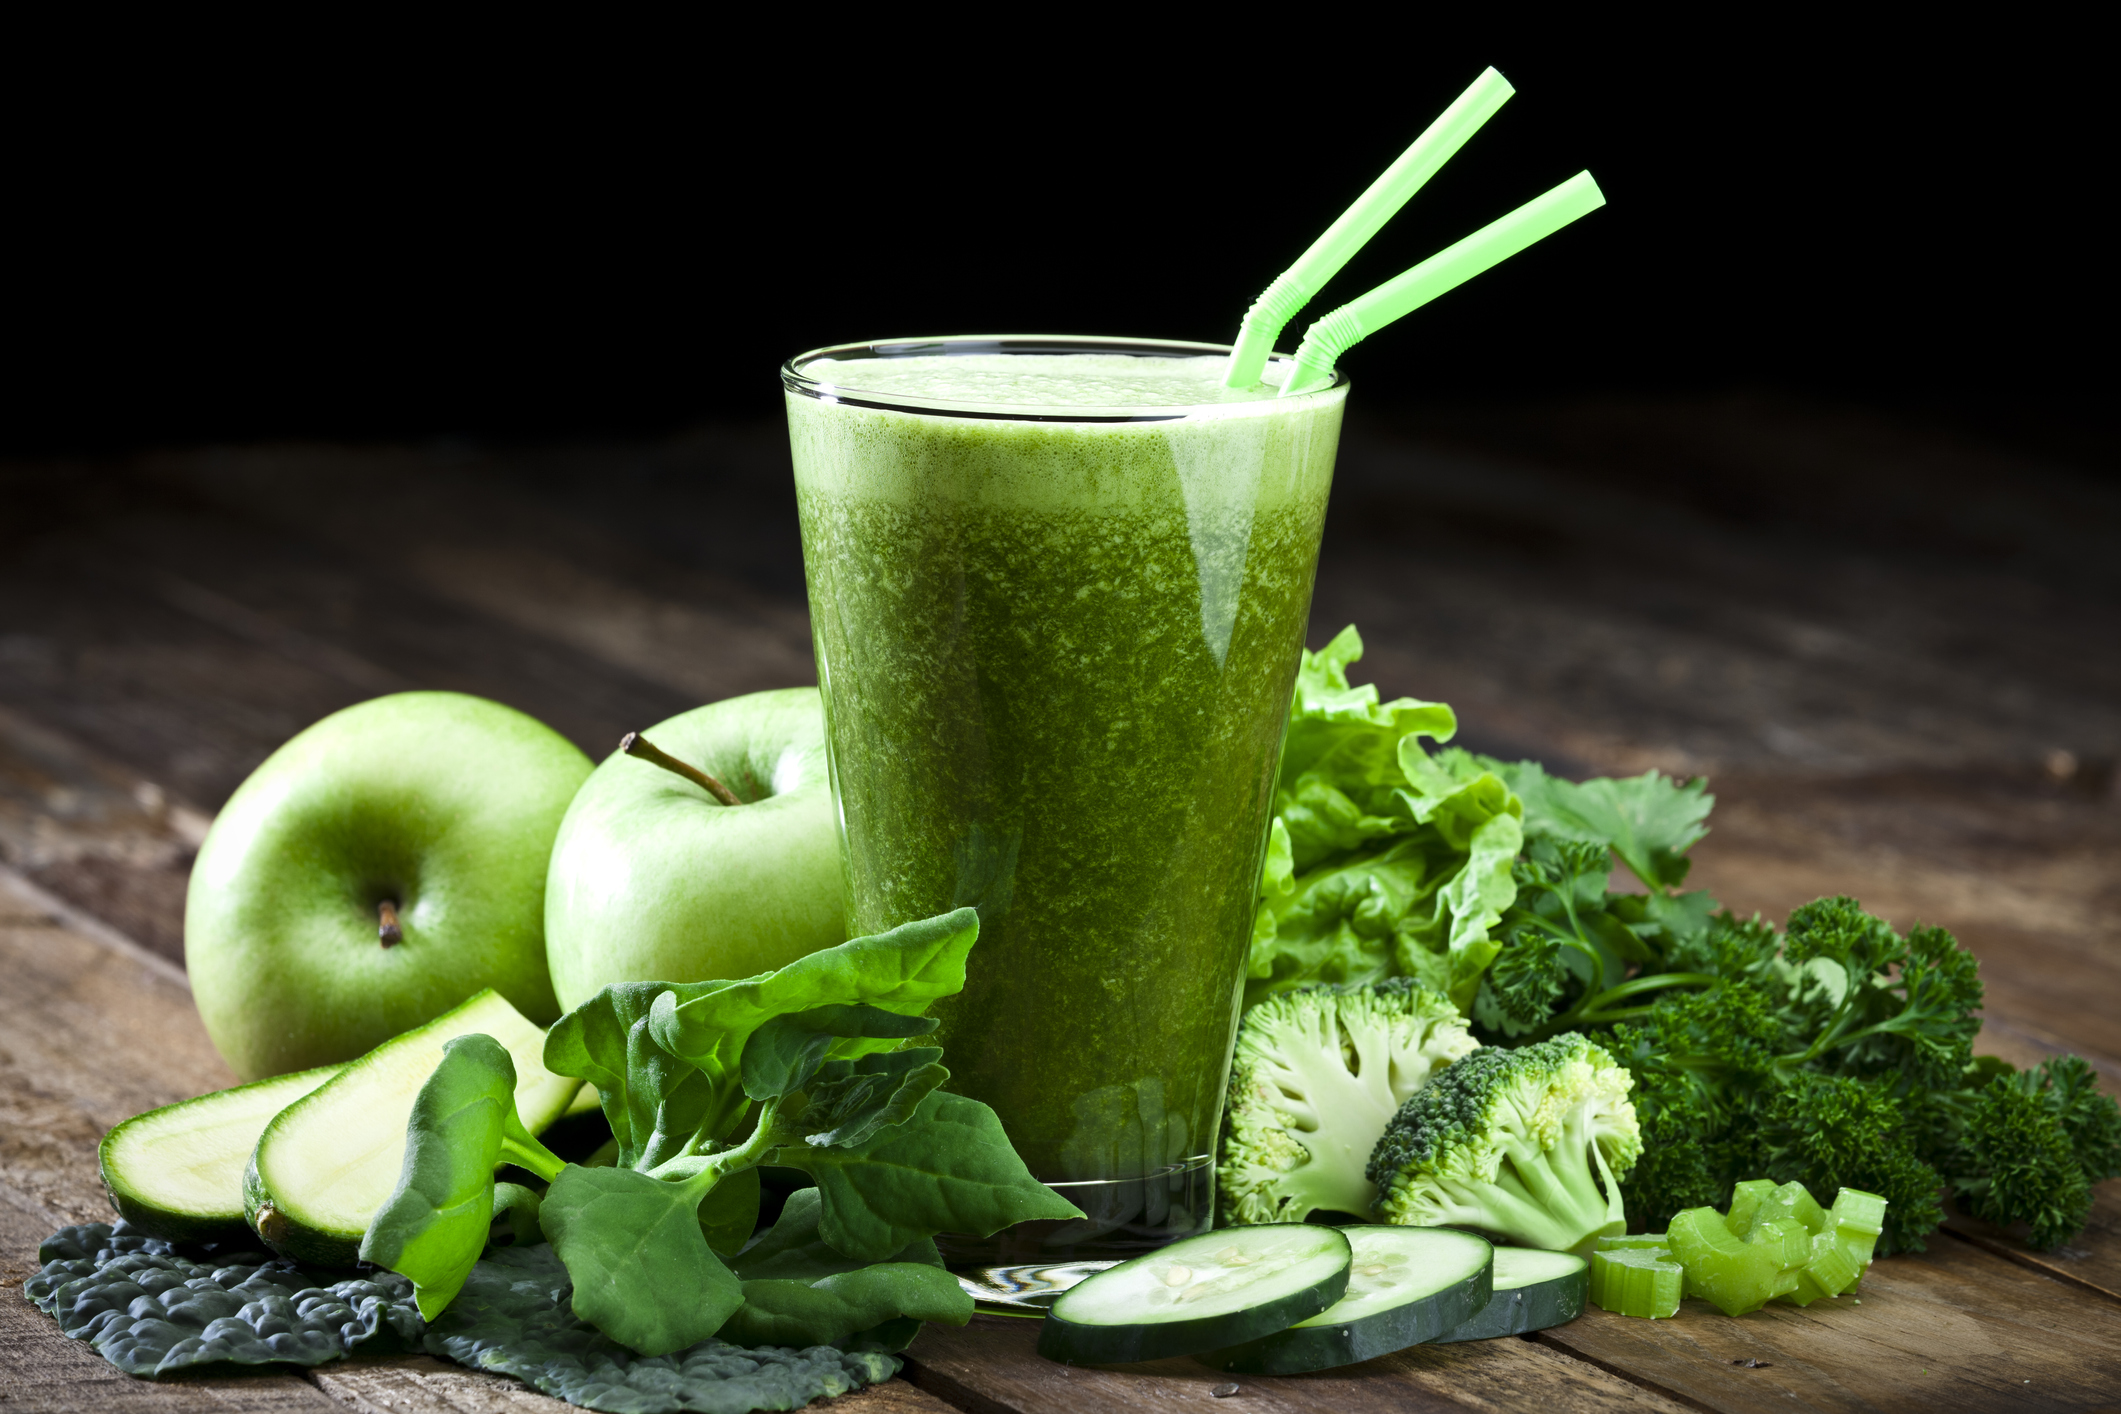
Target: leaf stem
[[521, 1148], [749, 1154]]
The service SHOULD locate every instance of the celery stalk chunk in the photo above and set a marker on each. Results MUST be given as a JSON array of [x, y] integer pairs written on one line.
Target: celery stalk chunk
[[1746, 1199], [1641, 1241], [1831, 1271], [1738, 1274], [1636, 1281], [1858, 1217]]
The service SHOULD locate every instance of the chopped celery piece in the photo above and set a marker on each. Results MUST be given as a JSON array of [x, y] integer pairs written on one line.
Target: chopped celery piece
[[1794, 1202], [1746, 1199], [1641, 1241], [1831, 1271], [1636, 1281], [1858, 1217], [1738, 1274]]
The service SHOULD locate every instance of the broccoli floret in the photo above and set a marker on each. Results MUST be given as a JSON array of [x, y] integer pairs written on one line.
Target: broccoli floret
[[1318, 1074], [1508, 1141]]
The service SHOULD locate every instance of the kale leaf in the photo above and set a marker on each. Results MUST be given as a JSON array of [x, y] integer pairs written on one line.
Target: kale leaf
[[152, 1307]]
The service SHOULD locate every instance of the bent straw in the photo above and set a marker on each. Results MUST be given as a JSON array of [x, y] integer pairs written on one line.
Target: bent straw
[[1334, 334], [1295, 287]]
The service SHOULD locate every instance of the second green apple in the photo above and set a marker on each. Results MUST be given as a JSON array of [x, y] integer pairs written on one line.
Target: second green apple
[[652, 879]]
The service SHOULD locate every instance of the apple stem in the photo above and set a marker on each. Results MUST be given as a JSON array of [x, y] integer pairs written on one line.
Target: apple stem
[[389, 931], [634, 744]]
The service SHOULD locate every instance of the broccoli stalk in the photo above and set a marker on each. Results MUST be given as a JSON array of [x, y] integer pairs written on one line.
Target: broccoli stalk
[[1525, 1144], [1319, 1073]]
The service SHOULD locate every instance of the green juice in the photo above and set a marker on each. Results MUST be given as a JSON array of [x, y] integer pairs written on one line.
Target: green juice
[[1056, 656]]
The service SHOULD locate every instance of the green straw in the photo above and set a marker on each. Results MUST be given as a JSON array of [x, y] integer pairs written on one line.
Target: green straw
[[1295, 287], [1336, 333]]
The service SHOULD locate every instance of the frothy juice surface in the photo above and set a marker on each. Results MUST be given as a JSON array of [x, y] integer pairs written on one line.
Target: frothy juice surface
[[1057, 658]]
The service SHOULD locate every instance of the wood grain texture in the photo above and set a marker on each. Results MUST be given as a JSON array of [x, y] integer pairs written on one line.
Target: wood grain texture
[[1954, 1329], [992, 1366], [2091, 1259]]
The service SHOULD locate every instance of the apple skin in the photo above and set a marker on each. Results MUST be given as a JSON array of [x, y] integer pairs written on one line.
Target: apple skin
[[652, 880], [444, 803]]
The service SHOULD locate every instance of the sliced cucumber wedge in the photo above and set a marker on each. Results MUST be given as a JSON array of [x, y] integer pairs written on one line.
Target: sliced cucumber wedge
[[1205, 1293], [1405, 1285], [327, 1162], [177, 1172], [1533, 1290]]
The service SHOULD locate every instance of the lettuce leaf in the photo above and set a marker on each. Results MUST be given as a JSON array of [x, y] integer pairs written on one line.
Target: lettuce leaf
[[1384, 859]]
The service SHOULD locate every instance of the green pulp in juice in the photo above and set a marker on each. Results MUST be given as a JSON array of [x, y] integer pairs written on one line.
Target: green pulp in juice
[[1057, 659]]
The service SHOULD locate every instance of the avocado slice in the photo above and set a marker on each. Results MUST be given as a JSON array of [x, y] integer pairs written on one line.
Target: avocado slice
[[330, 1160]]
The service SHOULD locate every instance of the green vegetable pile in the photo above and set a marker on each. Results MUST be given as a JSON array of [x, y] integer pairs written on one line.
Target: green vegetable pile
[[817, 1047], [1837, 1054], [1775, 1244]]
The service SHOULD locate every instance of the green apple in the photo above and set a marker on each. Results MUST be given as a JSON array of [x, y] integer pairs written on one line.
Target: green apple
[[380, 868], [654, 880]]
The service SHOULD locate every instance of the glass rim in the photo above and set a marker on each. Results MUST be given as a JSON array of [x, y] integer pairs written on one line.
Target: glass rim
[[795, 380]]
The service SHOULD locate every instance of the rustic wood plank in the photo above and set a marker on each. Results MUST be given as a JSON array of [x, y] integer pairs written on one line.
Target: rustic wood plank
[[1953, 1329], [41, 1369], [993, 1367], [89, 1035], [2091, 1259]]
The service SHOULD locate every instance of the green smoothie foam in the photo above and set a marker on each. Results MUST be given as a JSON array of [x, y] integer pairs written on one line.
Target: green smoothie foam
[[1057, 659]]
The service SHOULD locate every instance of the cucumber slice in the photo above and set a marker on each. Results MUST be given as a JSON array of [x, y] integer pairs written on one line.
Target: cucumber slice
[[177, 1172], [327, 1162], [1405, 1285], [1204, 1293], [1533, 1290]]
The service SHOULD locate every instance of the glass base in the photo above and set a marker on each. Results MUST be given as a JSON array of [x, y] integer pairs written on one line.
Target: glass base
[[1023, 1269], [1023, 1290]]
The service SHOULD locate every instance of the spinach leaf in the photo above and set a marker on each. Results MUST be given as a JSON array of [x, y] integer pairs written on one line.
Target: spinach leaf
[[434, 1226], [785, 1052], [901, 971], [730, 1212], [517, 1208], [949, 1168], [643, 1272], [851, 1100], [792, 1248], [778, 1311], [654, 1101]]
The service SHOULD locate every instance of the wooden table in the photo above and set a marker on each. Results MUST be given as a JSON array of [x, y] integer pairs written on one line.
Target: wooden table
[[93, 1030], [1890, 650]]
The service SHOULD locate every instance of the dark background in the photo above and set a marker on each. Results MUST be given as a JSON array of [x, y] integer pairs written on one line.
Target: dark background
[[557, 235]]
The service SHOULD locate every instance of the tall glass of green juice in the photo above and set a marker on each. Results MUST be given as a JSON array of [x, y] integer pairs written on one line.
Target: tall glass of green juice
[[1058, 589]]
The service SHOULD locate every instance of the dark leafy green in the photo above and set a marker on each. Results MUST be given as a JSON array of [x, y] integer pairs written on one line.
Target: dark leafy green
[[643, 1272], [1842, 1055], [949, 1169], [820, 1048], [829, 1310], [464, 1123], [786, 1051], [153, 1308], [515, 1317]]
